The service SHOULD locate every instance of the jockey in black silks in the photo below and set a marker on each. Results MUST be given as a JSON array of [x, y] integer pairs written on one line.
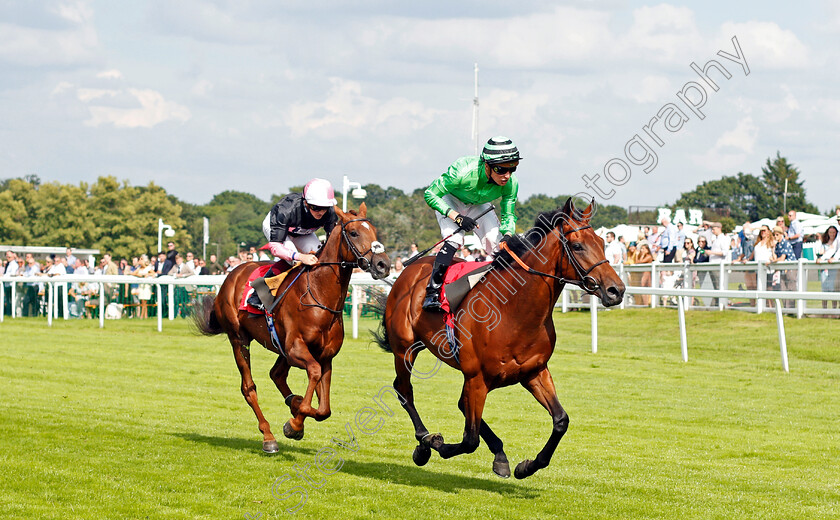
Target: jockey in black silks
[[291, 224]]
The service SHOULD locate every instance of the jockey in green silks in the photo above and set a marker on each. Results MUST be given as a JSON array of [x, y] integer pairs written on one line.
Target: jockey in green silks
[[461, 194]]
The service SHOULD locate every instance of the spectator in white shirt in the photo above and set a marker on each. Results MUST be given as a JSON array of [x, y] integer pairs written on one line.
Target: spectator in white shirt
[[719, 250], [613, 249], [718, 254]]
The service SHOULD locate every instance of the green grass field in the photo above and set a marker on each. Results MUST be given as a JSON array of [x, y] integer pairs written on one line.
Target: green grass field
[[127, 422]]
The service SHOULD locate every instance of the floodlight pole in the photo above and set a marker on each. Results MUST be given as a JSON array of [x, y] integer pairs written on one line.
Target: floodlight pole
[[161, 227], [346, 185]]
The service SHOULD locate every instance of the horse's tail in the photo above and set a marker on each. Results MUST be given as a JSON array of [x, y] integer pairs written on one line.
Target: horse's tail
[[380, 335], [204, 317]]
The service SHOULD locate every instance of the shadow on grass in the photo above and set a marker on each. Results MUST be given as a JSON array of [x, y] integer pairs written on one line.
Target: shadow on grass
[[287, 449], [446, 482]]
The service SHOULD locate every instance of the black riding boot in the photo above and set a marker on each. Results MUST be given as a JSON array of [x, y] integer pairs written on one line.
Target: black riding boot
[[442, 261]]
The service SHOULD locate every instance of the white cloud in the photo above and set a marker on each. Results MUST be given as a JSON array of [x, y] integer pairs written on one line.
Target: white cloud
[[36, 47], [663, 33], [88, 94], [110, 74], [650, 89], [765, 45], [732, 148], [346, 107], [201, 88], [78, 11], [61, 87], [153, 110], [532, 40]]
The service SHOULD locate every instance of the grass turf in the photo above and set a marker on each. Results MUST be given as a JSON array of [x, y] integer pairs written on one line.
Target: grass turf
[[127, 422]]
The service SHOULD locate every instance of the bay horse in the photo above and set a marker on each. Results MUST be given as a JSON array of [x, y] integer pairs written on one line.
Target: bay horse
[[504, 331], [308, 320]]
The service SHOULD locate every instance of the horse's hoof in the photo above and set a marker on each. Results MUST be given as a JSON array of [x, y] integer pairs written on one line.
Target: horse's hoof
[[270, 447], [294, 402], [501, 466], [421, 455], [291, 433], [433, 440], [523, 469]]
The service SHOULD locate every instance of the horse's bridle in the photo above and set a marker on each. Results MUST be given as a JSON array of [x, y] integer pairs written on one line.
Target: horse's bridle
[[585, 282], [362, 261]]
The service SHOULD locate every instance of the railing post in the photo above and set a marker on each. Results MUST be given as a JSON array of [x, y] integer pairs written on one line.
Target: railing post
[[170, 292], [683, 339], [801, 285], [780, 323], [49, 303], [761, 285], [564, 300], [159, 307], [2, 300], [102, 293], [654, 283], [354, 308], [66, 299], [723, 276], [593, 310]]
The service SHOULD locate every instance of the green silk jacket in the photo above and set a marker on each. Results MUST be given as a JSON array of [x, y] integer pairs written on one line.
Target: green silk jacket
[[466, 181]]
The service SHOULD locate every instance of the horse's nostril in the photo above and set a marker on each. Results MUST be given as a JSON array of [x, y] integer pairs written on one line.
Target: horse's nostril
[[613, 292]]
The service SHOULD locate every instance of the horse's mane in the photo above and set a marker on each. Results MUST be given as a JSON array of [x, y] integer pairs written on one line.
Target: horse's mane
[[337, 225], [521, 244]]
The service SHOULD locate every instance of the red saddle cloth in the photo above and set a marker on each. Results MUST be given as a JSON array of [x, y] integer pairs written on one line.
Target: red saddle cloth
[[457, 283], [259, 272]]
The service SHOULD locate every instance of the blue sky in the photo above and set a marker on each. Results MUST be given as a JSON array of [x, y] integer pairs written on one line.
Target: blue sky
[[205, 96]]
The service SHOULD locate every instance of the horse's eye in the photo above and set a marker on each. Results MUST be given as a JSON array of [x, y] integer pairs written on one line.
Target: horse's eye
[[577, 246], [354, 234]]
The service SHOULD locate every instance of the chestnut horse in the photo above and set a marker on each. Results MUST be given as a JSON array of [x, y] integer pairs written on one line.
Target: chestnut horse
[[504, 330], [308, 320]]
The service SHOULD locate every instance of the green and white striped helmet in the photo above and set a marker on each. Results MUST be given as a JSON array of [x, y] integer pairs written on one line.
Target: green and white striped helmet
[[500, 149]]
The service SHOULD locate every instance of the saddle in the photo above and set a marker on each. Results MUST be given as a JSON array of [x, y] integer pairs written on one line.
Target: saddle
[[266, 285], [459, 279]]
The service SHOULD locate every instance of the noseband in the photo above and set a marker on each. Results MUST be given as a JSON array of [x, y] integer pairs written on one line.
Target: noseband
[[585, 281]]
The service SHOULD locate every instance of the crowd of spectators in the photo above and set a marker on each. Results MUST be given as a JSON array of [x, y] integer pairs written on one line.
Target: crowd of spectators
[[83, 296], [783, 243], [666, 243]]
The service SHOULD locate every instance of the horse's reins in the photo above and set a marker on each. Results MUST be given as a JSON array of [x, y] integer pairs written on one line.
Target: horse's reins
[[585, 278], [421, 254], [361, 262]]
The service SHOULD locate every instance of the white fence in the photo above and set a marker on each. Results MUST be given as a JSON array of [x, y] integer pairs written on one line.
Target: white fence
[[797, 276], [57, 301], [684, 295], [572, 297]]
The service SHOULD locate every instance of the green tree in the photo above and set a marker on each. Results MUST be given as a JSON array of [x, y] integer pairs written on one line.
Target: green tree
[[775, 173], [15, 222], [743, 194]]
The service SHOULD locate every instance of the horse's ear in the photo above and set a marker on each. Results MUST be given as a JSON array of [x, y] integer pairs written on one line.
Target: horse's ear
[[363, 210], [568, 208], [341, 214], [588, 212]]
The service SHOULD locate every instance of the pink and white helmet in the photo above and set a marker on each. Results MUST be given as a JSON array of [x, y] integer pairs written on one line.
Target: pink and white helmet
[[319, 192]]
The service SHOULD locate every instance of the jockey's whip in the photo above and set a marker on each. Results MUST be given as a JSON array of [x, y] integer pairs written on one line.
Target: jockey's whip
[[423, 253]]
